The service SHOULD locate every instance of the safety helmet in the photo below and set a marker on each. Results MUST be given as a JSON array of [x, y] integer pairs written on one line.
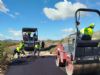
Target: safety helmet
[[92, 25]]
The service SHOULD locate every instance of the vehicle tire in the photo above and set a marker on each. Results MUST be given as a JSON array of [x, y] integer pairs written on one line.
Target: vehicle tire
[[72, 70], [69, 69], [58, 63]]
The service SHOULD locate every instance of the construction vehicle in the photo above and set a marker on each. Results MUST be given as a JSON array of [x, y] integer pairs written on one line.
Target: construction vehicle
[[30, 36], [80, 57]]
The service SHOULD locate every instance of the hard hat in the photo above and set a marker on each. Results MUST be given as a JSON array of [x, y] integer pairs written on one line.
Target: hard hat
[[92, 25]]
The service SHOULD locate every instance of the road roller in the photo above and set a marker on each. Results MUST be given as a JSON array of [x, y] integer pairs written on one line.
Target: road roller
[[79, 57]]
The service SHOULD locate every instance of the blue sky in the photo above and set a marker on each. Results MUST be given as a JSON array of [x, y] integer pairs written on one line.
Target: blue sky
[[53, 18]]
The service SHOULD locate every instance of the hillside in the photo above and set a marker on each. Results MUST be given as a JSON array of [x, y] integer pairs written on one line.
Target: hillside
[[96, 35]]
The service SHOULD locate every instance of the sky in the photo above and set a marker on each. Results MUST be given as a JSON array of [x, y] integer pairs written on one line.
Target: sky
[[53, 18]]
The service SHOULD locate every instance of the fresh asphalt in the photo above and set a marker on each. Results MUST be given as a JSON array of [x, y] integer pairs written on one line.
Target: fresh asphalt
[[34, 66]]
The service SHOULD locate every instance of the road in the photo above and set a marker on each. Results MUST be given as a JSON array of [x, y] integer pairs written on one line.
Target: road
[[35, 66]]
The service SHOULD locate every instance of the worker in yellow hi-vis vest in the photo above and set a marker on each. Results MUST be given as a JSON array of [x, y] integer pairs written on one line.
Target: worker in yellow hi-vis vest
[[37, 48], [19, 49], [87, 32]]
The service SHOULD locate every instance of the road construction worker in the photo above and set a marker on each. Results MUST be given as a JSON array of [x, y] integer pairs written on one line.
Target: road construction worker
[[29, 35], [19, 49], [86, 33], [21, 44], [42, 44], [37, 48], [25, 36], [35, 37]]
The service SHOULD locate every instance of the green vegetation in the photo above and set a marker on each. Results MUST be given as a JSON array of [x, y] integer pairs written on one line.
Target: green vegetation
[[8, 43], [5, 54], [1, 52], [4, 49]]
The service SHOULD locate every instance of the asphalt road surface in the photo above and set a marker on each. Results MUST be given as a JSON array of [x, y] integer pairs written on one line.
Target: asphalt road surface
[[34, 66]]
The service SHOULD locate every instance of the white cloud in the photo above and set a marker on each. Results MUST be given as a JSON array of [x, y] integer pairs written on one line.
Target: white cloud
[[12, 34], [1, 35], [14, 15], [11, 15], [3, 8], [17, 13], [62, 10], [15, 34]]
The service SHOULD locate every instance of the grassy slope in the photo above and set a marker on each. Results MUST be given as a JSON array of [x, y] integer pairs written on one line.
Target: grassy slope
[[4, 52]]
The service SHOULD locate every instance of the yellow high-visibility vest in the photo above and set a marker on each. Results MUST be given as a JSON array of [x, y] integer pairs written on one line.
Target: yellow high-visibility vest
[[37, 46], [18, 49], [21, 45], [87, 31]]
